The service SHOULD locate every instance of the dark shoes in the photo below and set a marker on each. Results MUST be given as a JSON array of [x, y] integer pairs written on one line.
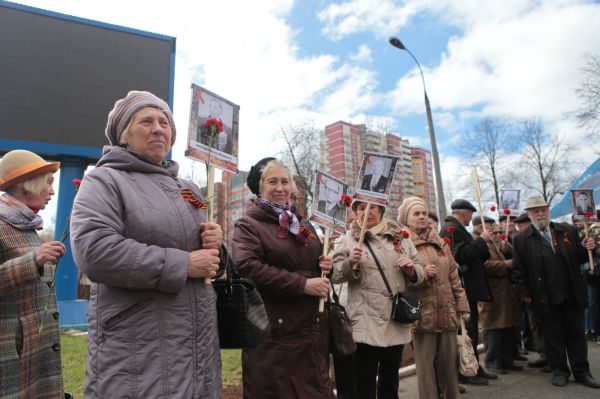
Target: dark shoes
[[588, 381], [483, 373], [539, 362], [559, 380], [513, 367], [472, 380], [521, 358], [462, 389]]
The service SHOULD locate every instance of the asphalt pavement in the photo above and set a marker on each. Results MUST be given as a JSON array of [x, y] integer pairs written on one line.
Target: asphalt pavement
[[530, 383]]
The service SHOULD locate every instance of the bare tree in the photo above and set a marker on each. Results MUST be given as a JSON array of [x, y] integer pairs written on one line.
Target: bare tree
[[588, 114], [486, 147], [301, 154], [546, 166]]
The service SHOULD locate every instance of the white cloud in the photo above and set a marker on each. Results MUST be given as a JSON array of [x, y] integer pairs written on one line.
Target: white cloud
[[520, 63], [363, 55], [384, 17]]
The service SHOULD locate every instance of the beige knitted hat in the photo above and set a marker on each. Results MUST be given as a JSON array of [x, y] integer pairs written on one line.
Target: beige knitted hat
[[406, 206]]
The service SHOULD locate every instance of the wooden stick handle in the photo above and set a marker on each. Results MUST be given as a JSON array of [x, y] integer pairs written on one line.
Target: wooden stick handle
[[210, 189], [590, 254], [363, 228], [507, 223], [325, 251]]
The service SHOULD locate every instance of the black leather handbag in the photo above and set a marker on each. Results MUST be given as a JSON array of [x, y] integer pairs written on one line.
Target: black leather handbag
[[243, 320], [341, 341], [406, 308]]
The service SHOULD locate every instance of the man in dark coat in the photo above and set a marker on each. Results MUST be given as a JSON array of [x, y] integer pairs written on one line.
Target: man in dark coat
[[547, 274], [470, 254]]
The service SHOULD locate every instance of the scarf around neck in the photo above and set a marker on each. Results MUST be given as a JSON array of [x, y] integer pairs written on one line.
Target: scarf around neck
[[19, 215], [287, 218]]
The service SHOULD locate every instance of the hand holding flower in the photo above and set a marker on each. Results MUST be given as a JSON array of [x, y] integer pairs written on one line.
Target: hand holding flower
[[49, 252], [406, 265]]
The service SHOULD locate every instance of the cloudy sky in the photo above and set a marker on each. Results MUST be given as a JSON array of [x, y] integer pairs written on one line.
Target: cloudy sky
[[286, 61]]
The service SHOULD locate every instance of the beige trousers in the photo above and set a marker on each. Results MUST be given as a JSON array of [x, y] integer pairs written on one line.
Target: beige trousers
[[436, 357]]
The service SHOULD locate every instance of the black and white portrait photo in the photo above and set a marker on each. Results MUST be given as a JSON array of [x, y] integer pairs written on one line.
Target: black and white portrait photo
[[509, 199], [377, 173], [328, 209], [583, 203], [330, 193]]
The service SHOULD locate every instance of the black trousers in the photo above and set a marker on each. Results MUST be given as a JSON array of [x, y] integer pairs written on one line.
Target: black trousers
[[373, 363], [499, 347], [564, 336], [343, 366], [473, 327]]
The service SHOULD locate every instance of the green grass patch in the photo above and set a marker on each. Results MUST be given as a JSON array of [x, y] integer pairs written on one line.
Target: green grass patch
[[74, 349], [231, 372]]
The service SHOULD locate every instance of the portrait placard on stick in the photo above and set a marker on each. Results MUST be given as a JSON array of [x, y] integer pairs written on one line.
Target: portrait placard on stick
[[584, 207], [213, 130], [329, 210], [510, 199], [375, 178]]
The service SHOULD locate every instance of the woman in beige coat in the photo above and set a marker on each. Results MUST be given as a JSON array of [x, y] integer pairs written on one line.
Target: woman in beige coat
[[443, 301], [379, 339]]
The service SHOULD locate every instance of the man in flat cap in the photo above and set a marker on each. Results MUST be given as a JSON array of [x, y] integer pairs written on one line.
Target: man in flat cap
[[470, 254], [547, 258]]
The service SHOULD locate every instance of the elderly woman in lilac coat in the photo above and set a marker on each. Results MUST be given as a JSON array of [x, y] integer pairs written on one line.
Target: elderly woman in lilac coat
[[140, 234]]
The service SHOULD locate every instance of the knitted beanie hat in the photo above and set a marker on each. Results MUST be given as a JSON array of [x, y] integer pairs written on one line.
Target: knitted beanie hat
[[124, 109], [255, 174], [407, 205]]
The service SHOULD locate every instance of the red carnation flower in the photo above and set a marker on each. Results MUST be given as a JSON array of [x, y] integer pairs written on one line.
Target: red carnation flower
[[503, 236], [588, 214], [346, 200], [506, 211], [213, 126], [448, 241], [77, 182], [450, 229], [493, 208], [404, 233]]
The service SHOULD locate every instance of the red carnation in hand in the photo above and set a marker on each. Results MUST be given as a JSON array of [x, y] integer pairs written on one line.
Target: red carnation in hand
[[77, 182], [588, 215], [493, 208], [450, 229], [503, 236], [404, 233], [506, 211], [346, 200], [448, 241]]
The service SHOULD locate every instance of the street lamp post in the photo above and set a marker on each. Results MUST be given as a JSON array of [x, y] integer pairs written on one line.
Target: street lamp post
[[434, 152]]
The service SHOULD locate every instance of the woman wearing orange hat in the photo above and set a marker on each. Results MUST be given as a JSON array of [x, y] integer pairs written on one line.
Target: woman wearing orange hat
[[30, 364]]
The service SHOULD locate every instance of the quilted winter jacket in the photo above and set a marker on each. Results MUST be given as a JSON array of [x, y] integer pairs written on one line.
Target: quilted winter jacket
[[152, 331]]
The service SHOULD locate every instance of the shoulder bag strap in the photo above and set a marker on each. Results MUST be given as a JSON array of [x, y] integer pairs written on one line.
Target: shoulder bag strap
[[387, 285]]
